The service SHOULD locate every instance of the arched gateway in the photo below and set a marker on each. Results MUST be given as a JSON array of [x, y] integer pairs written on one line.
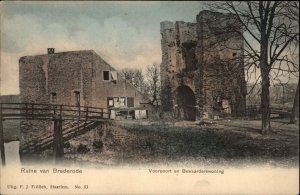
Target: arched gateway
[[185, 101]]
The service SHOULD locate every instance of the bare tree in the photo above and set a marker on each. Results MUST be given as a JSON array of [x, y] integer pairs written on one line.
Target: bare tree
[[135, 77], [153, 85], [295, 110], [148, 84], [269, 33], [294, 15]]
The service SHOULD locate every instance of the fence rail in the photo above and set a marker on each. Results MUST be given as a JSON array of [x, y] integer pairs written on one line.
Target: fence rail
[[90, 117], [255, 110], [14, 111]]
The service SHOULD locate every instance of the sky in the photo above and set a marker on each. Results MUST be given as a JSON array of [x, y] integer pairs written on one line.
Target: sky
[[125, 34]]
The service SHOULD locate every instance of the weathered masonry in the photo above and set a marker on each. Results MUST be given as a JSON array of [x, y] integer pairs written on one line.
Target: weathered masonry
[[78, 78], [202, 67]]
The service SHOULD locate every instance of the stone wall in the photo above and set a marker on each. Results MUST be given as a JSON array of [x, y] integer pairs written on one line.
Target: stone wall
[[179, 65], [168, 64], [220, 56], [63, 74], [206, 57], [33, 89], [186, 41], [66, 72]]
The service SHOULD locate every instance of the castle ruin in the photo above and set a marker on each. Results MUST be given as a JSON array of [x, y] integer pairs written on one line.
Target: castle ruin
[[202, 69]]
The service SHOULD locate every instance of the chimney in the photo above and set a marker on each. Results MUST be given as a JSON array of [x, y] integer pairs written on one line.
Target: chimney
[[50, 50]]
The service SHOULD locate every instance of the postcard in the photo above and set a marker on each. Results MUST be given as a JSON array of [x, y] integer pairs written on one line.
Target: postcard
[[149, 97]]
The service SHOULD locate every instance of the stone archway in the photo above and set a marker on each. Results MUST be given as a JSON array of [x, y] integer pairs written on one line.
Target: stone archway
[[185, 101]]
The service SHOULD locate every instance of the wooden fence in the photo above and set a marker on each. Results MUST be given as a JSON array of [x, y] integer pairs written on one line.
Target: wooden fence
[[88, 116]]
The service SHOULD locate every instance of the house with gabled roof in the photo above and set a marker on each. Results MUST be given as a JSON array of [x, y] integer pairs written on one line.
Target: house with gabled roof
[[79, 78]]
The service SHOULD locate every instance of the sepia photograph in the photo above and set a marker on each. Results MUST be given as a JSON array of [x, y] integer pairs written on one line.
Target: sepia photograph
[[149, 97]]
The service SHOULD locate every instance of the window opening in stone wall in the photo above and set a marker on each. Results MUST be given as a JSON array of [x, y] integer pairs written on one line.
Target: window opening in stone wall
[[77, 98], [130, 102], [110, 102], [221, 105], [53, 98], [189, 56], [226, 106], [106, 75], [116, 102], [122, 101]]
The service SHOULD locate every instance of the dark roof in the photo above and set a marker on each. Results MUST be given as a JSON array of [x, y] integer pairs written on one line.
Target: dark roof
[[64, 52]]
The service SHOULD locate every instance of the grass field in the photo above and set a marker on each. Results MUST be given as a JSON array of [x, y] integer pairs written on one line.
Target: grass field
[[225, 142]]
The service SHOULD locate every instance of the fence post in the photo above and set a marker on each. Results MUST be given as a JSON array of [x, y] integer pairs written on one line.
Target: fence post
[[58, 144], [2, 138]]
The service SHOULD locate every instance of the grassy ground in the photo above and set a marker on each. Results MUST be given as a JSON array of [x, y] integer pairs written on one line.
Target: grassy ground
[[225, 142]]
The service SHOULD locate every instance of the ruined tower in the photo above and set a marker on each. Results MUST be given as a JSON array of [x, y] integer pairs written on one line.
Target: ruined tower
[[202, 67]]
